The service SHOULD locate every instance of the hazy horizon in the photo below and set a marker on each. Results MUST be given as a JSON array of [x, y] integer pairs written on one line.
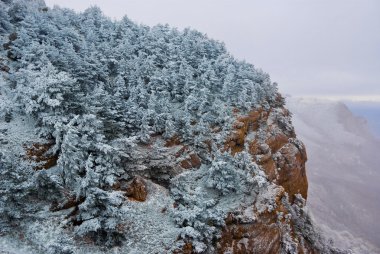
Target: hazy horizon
[[368, 110]]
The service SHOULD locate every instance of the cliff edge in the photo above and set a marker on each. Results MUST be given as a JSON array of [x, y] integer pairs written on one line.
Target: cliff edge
[[117, 137]]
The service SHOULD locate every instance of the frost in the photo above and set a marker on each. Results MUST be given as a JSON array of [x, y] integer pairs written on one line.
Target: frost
[[111, 101], [232, 174]]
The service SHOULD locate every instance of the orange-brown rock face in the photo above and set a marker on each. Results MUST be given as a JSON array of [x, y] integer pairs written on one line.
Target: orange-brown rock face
[[38, 153], [282, 157], [259, 237], [292, 175], [137, 189], [242, 127], [264, 234], [275, 149], [256, 238], [253, 235]]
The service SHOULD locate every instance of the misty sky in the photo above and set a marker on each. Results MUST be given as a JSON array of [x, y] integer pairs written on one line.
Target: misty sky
[[310, 47]]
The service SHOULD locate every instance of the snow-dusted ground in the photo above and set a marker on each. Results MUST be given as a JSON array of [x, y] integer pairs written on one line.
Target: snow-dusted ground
[[343, 172]]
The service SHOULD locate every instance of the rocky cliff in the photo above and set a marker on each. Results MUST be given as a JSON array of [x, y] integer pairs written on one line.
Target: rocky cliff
[[129, 139]]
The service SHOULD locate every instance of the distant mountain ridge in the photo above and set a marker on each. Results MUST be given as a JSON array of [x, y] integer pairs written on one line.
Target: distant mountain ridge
[[343, 171], [370, 111]]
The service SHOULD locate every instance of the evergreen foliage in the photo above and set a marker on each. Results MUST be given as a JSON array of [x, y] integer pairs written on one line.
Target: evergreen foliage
[[97, 89]]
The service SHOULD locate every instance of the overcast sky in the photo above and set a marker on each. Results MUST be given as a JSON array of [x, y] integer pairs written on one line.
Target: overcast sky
[[310, 47]]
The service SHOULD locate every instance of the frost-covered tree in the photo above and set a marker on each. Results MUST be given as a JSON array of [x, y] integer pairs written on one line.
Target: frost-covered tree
[[97, 89], [48, 94], [5, 24], [232, 174]]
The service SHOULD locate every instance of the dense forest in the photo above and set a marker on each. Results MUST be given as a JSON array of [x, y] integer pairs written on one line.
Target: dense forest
[[86, 102]]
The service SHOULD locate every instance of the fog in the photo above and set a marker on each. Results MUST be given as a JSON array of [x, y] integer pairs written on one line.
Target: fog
[[371, 112], [343, 172]]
